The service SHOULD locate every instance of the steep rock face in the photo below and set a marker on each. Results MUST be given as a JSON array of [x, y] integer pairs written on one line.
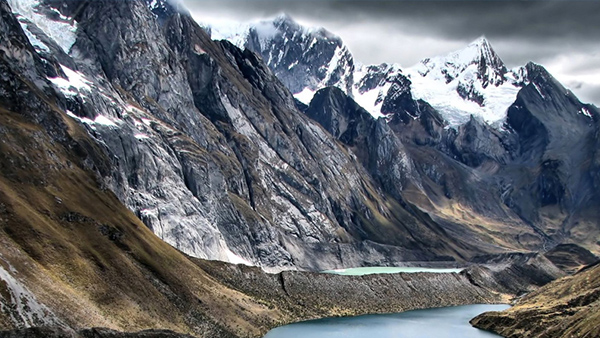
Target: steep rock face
[[377, 147], [142, 91], [556, 135], [174, 102], [308, 160], [476, 143], [382, 153], [568, 307], [71, 254]]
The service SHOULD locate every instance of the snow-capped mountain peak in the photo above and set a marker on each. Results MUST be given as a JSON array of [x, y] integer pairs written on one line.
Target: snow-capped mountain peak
[[471, 81], [304, 58], [489, 68]]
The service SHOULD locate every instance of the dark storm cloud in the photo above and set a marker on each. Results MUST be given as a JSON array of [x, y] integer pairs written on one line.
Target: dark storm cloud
[[569, 24], [458, 19], [450, 19], [407, 31]]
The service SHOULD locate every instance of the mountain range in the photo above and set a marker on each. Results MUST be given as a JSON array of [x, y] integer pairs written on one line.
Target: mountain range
[[207, 145], [504, 135], [472, 81]]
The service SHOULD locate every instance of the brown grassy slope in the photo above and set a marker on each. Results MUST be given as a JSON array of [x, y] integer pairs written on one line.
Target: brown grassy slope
[[90, 259], [568, 307]]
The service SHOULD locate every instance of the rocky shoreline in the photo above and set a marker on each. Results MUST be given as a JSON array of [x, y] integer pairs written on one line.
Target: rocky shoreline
[[298, 296]]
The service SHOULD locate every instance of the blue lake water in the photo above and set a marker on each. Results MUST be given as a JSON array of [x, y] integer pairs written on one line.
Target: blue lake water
[[384, 269], [447, 322]]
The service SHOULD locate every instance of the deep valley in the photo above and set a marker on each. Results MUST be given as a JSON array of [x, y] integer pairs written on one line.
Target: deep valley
[[155, 178]]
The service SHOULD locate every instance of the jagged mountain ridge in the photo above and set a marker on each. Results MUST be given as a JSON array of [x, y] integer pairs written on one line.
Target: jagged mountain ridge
[[304, 59], [471, 81]]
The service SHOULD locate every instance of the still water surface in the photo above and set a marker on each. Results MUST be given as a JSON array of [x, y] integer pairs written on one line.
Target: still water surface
[[447, 322], [383, 269]]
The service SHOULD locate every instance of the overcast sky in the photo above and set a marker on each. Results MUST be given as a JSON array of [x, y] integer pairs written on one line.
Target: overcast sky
[[563, 36]]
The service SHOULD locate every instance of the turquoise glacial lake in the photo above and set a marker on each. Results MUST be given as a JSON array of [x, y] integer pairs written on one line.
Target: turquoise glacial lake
[[383, 269], [447, 322]]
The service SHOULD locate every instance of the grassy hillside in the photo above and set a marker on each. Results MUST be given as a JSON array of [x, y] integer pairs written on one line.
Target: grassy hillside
[[568, 307]]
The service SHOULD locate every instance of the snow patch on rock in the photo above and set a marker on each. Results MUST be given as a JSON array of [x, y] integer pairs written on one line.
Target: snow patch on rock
[[74, 84], [20, 304]]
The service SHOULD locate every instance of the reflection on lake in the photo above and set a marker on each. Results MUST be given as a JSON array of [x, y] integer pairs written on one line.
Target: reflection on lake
[[447, 322]]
